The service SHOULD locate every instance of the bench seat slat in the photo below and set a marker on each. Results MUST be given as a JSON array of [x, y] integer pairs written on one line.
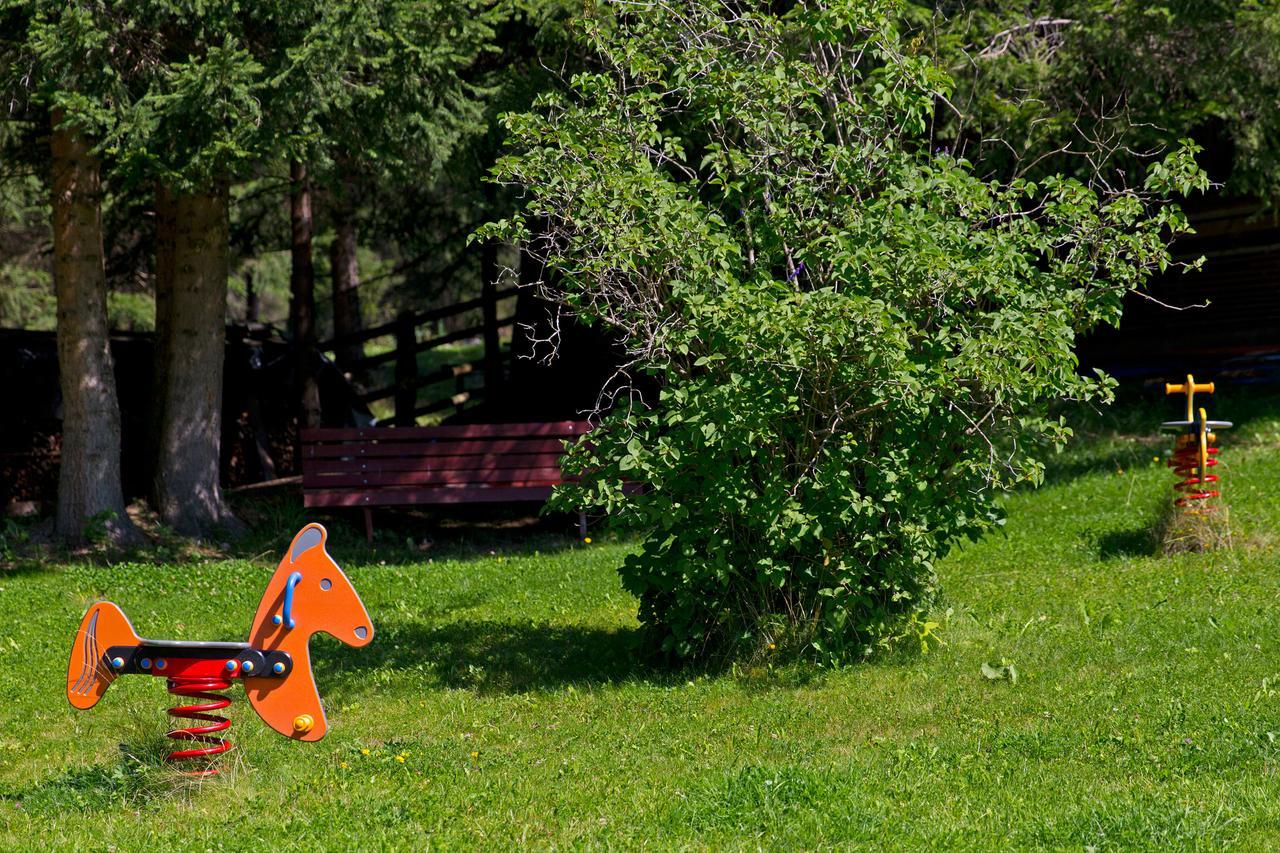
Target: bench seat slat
[[496, 476], [565, 429], [436, 448], [408, 497], [390, 464]]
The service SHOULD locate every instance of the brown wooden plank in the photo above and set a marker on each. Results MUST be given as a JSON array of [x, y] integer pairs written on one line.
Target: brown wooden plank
[[458, 307], [439, 448], [504, 476], [516, 430], [409, 497], [456, 400], [429, 463], [460, 335], [372, 360], [418, 320]]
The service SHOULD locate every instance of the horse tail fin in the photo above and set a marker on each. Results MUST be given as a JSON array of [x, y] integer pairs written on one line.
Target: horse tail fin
[[89, 673]]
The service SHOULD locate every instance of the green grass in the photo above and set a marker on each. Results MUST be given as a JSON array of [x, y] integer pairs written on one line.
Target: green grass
[[1146, 710]]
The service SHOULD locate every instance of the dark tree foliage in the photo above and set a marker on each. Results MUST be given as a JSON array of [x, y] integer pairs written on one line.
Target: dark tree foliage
[[1098, 87], [856, 335]]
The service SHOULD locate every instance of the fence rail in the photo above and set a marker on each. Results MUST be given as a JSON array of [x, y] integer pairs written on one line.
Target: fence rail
[[407, 380]]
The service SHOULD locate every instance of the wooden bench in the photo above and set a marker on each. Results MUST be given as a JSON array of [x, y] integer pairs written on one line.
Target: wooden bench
[[411, 466]]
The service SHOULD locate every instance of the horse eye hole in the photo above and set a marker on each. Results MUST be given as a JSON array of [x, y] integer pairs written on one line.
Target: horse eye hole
[[362, 632], [326, 583]]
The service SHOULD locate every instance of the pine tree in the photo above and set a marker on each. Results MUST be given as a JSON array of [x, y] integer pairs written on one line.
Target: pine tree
[[51, 73]]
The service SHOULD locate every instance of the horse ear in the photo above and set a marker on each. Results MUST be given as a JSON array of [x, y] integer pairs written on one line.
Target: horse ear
[[311, 536]]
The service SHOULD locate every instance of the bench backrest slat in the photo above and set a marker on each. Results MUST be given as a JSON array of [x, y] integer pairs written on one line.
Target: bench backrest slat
[[563, 429], [400, 466], [379, 464], [496, 476], [441, 495], [437, 448]]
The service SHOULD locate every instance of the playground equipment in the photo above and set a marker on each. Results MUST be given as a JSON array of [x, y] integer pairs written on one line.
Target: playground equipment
[[307, 593], [1194, 452]]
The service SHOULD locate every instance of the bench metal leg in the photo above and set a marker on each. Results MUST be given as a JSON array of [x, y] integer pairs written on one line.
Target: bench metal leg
[[582, 524], [368, 525]]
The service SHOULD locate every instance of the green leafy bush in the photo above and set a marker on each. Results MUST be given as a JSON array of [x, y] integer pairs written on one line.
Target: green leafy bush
[[854, 334]]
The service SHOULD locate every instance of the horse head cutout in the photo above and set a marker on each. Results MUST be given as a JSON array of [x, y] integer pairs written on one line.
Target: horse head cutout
[[307, 594]]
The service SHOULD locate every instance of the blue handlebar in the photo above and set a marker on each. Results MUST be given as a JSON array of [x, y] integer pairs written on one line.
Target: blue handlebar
[[288, 598]]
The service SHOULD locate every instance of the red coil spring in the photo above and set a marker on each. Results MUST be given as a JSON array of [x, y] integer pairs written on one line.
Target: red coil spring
[[199, 688], [1186, 464]]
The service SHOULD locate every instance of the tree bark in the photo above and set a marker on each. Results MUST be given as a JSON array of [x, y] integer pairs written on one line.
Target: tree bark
[[250, 297], [489, 311], [346, 271], [89, 491], [165, 236], [302, 292], [191, 306]]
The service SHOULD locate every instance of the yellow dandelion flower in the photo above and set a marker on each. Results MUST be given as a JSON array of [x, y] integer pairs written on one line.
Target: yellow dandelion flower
[[364, 752], [474, 756], [772, 646], [345, 765], [587, 540], [400, 758]]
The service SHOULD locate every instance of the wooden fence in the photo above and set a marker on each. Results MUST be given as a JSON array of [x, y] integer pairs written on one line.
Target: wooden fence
[[414, 333]]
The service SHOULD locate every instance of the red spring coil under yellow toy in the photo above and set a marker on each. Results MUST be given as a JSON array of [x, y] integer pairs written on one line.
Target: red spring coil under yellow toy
[[1192, 463], [200, 688]]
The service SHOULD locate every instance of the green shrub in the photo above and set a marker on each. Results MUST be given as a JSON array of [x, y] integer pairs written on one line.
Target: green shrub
[[854, 334]]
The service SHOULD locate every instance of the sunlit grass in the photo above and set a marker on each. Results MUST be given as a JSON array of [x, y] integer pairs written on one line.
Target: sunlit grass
[[501, 704]]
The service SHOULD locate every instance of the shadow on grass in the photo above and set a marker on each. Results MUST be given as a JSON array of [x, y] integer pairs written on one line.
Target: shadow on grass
[[1127, 433], [1123, 544], [1069, 467], [494, 657], [141, 776], [502, 658], [460, 533], [26, 566]]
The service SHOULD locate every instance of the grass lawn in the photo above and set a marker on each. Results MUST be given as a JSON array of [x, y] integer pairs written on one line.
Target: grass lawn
[[499, 703]]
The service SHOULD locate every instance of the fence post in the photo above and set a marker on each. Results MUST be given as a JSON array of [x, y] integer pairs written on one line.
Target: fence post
[[406, 369], [459, 390], [489, 308]]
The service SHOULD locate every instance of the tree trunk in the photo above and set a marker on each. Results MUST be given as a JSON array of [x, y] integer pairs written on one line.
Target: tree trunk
[[346, 271], [489, 311], [165, 237], [89, 492], [302, 292], [250, 297], [191, 306]]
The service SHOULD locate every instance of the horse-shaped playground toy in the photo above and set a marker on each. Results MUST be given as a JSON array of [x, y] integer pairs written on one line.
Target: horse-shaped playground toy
[[307, 594]]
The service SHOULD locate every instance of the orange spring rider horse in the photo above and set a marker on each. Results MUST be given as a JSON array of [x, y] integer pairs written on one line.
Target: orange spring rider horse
[[307, 593]]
